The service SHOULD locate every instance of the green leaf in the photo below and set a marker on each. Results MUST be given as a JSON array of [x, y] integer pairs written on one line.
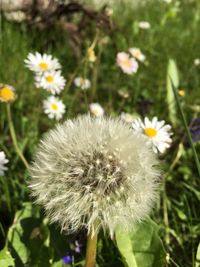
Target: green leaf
[[141, 247], [6, 259], [198, 257], [172, 74], [28, 238]]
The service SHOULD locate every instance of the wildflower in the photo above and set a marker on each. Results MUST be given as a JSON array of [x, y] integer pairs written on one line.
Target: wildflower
[[123, 93], [127, 64], [195, 130], [7, 93], [91, 54], [82, 83], [145, 25], [127, 117], [17, 16], [94, 172], [54, 107], [109, 11], [96, 109], [136, 53], [67, 259], [157, 132], [3, 161], [167, 1], [41, 62], [52, 81], [197, 61], [181, 92]]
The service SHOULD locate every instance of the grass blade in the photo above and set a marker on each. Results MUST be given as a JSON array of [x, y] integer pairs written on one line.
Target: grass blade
[[185, 125]]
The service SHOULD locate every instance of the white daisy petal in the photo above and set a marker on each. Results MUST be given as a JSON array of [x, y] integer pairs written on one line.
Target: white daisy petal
[[156, 132], [3, 161], [54, 107], [136, 53], [52, 81], [82, 83], [41, 63]]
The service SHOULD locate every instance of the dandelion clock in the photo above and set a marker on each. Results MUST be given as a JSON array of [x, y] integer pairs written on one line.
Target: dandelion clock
[[94, 173]]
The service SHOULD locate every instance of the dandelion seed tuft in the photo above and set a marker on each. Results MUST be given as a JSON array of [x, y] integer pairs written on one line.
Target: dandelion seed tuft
[[94, 172]]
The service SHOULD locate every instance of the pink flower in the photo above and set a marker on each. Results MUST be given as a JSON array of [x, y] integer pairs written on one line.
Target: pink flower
[[128, 64]]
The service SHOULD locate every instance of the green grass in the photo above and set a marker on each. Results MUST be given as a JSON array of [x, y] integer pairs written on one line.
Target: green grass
[[174, 34]]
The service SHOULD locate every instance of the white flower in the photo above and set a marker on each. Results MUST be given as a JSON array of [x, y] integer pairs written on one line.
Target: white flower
[[95, 173], [167, 1], [54, 107], [96, 109], [17, 16], [145, 25], [41, 63], [127, 117], [127, 64], [136, 53], [157, 132], [3, 161], [197, 61], [52, 81], [82, 83]]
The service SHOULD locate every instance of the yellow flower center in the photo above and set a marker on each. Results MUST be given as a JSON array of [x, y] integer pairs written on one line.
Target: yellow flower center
[[49, 78], [137, 54], [150, 132], [43, 66], [54, 106], [7, 94], [181, 92], [126, 62]]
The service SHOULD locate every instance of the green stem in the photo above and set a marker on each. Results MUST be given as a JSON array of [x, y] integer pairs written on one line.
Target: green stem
[[14, 138], [165, 214], [186, 127], [91, 250]]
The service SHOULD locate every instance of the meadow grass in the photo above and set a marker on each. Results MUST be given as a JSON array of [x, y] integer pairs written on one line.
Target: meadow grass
[[174, 33]]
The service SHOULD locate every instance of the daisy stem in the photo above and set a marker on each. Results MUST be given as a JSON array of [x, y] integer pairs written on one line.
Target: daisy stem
[[14, 138], [165, 214], [91, 250]]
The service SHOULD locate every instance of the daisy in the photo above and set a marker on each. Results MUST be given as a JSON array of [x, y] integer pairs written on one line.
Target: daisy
[[82, 83], [7, 93], [41, 62], [136, 53], [96, 109], [3, 161], [54, 107], [127, 117], [197, 61], [52, 81], [156, 131], [145, 25], [127, 64]]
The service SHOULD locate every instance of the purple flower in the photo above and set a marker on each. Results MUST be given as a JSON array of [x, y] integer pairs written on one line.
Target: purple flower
[[195, 130], [67, 259]]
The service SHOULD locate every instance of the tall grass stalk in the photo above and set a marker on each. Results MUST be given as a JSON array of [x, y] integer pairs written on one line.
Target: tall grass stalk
[[186, 127]]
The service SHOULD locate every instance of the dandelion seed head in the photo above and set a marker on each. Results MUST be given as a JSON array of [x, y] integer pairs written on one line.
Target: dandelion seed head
[[94, 171]]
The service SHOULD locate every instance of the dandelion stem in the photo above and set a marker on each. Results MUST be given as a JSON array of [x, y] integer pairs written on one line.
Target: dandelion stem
[[91, 250], [14, 138]]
